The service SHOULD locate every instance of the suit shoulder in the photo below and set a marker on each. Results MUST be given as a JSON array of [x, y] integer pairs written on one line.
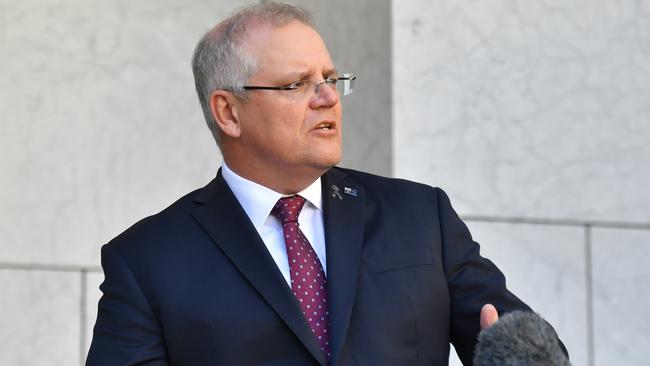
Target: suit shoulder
[[383, 184], [398, 192], [158, 228]]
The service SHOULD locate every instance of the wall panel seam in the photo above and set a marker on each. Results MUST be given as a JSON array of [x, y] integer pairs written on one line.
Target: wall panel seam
[[559, 222]]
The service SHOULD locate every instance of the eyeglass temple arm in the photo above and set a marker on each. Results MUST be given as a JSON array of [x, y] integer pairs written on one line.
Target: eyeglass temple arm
[[248, 87], [345, 77]]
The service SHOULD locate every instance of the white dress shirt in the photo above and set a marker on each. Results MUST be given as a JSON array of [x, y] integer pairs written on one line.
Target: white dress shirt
[[258, 201]]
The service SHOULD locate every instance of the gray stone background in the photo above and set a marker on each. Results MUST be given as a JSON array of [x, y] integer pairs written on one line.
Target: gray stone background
[[533, 115]]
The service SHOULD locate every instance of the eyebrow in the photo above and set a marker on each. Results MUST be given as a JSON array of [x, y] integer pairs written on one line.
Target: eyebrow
[[303, 75], [332, 71]]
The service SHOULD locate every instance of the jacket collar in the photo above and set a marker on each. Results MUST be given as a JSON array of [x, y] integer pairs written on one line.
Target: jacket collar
[[344, 204], [222, 217]]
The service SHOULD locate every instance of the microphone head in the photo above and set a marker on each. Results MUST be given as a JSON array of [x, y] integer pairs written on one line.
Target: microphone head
[[520, 338]]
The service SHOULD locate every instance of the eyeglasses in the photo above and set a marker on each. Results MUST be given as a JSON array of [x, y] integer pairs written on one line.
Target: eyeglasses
[[343, 85]]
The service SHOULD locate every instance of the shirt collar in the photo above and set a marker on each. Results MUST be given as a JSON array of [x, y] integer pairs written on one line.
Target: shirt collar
[[258, 200]]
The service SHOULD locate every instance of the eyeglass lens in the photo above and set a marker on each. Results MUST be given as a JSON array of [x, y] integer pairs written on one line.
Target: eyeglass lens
[[345, 84]]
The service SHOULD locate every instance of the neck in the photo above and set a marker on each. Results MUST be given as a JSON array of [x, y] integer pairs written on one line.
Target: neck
[[286, 179]]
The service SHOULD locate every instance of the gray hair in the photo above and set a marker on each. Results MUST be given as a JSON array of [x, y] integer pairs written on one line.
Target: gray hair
[[219, 62]]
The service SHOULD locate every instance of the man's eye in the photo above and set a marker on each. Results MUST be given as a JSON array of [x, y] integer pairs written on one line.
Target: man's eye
[[298, 84]]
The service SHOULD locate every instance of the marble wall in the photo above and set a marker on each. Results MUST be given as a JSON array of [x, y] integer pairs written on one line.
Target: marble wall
[[526, 108], [620, 281], [535, 117], [532, 115], [40, 317]]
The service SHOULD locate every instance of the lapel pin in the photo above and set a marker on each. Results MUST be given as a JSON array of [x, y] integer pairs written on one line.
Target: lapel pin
[[335, 192], [350, 191]]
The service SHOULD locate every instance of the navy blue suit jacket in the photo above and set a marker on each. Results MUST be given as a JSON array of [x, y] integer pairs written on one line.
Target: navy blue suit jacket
[[195, 285]]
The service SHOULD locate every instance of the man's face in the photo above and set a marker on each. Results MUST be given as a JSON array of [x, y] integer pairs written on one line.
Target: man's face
[[282, 131]]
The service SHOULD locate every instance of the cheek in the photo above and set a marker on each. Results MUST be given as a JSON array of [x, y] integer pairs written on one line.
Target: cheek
[[293, 121], [338, 109], [337, 112]]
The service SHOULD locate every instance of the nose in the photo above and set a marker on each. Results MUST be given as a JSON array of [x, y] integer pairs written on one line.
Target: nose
[[326, 96]]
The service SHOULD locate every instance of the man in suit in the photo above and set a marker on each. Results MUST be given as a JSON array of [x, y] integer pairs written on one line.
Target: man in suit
[[284, 259]]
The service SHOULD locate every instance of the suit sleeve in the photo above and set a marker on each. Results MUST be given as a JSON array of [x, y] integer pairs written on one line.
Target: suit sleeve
[[473, 281], [127, 331]]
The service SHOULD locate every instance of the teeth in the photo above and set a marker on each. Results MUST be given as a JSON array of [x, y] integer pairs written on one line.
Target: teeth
[[324, 126]]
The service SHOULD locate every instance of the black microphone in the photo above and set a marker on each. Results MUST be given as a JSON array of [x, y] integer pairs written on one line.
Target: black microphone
[[520, 338]]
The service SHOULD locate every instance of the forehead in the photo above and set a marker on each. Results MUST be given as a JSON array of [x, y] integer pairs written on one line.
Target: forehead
[[287, 47]]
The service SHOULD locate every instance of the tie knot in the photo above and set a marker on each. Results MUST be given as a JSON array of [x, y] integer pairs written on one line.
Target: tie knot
[[287, 209]]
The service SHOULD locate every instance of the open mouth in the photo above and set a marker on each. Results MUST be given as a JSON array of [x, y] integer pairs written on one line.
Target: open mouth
[[324, 126]]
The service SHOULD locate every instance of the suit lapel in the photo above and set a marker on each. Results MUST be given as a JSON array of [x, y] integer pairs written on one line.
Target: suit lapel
[[223, 218], [344, 227]]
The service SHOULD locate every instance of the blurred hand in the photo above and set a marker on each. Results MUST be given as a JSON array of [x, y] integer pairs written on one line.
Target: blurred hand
[[489, 316]]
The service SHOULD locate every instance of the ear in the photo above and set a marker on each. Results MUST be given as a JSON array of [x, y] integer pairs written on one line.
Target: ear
[[224, 106]]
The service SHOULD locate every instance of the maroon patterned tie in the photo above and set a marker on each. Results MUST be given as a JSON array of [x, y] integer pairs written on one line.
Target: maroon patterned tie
[[308, 280]]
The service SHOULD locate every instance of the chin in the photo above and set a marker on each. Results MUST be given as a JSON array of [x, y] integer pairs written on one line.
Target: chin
[[320, 157], [324, 162], [332, 158]]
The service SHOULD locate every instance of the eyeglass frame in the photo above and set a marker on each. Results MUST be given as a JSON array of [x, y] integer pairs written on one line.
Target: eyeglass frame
[[293, 86]]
